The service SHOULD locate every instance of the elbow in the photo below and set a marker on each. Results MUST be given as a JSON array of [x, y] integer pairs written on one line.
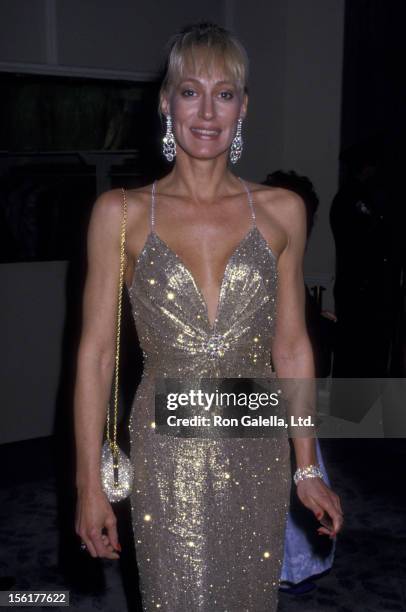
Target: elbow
[[106, 361], [292, 350], [91, 355]]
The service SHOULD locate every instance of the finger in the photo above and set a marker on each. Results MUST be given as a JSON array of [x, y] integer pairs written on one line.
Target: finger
[[89, 545], [336, 515], [109, 547], [337, 519], [111, 527], [333, 513], [78, 519], [324, 531], [339, 505], [316, 509], [340, 523], [106, 542], [84, 537], [101, 549]]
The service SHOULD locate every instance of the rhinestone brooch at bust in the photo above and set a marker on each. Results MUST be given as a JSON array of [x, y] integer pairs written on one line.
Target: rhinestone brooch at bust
[[216, 346]]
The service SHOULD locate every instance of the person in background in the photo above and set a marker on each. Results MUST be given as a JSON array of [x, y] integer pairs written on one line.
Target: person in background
[[363, 220], [306, 556], [367, 219]]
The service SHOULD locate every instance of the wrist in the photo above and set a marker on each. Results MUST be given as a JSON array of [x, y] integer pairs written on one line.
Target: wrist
[[87, 486], [309, 471], [305, 452]]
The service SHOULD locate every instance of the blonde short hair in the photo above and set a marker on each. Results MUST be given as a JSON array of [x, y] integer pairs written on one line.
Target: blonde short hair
[[203, 46]]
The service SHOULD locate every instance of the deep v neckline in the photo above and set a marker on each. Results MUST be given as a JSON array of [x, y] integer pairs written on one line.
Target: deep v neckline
[[211, 325], [199, 292]]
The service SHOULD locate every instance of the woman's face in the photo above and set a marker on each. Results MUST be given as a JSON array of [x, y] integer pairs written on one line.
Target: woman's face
[[205, 110]]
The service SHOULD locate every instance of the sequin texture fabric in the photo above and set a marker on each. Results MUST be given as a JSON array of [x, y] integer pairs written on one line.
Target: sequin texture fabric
[[208, 514]]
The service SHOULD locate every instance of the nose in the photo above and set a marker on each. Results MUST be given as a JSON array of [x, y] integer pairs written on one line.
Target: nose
[[206, 110]]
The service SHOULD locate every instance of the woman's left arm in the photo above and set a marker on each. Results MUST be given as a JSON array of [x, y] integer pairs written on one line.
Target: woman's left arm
[[292, 353]]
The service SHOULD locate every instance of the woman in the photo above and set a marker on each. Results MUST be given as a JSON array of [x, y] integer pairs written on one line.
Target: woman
[[208, 514], [304, 555]]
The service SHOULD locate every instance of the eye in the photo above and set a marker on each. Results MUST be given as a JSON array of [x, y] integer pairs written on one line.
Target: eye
[[188, 93], [226, 95]]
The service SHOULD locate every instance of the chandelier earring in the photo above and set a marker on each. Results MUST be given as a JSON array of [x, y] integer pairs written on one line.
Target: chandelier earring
[[237, 144], [169, 144]]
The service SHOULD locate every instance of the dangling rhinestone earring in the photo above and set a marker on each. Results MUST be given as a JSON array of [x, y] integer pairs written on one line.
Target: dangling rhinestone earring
[[236, 145], [169, 144]]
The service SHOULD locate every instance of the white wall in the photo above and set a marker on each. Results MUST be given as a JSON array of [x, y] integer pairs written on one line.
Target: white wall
[[32, 314], [23, 32], [295, 49], [313, 74], [262, 28], [94, 37]]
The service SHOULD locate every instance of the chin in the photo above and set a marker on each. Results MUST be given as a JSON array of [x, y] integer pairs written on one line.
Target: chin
[[207, 156], [200, 153]]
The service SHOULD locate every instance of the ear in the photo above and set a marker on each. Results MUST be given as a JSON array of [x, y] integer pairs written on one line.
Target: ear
[[244, 106], [164, 104]]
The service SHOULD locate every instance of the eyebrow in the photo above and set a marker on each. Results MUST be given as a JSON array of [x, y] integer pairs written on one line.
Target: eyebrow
[[221, 82]]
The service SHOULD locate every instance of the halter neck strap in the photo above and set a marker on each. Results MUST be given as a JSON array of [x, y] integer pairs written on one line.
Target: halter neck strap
[[250, 200], [152, 219]]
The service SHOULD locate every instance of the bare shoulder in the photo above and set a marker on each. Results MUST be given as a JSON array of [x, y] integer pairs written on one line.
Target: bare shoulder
[[108, 207], [112, 199], [140, 194], [139, 206], [280, 204], [105, 217], [108, 204]]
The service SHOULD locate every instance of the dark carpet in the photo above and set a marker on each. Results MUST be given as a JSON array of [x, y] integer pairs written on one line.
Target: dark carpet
[[39, 549]]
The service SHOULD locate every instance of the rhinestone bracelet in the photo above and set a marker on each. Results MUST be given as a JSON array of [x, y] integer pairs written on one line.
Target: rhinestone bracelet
[[310, 471]]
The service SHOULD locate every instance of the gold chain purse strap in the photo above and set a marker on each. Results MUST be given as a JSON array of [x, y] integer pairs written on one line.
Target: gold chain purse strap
[[113, 443], [116, 468]]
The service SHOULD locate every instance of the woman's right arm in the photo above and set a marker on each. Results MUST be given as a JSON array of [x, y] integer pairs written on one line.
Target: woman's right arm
[[94, 373]]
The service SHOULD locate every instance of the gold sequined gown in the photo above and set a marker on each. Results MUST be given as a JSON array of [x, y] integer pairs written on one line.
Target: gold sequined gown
[[208, 514]]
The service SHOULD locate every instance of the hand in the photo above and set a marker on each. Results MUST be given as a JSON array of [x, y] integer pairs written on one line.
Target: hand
[[93, 514], [320, 499], [329, 315]]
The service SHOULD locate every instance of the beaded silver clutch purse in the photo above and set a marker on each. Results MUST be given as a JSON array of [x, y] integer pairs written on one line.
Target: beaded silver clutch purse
[[116, 469], [117, 473]]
